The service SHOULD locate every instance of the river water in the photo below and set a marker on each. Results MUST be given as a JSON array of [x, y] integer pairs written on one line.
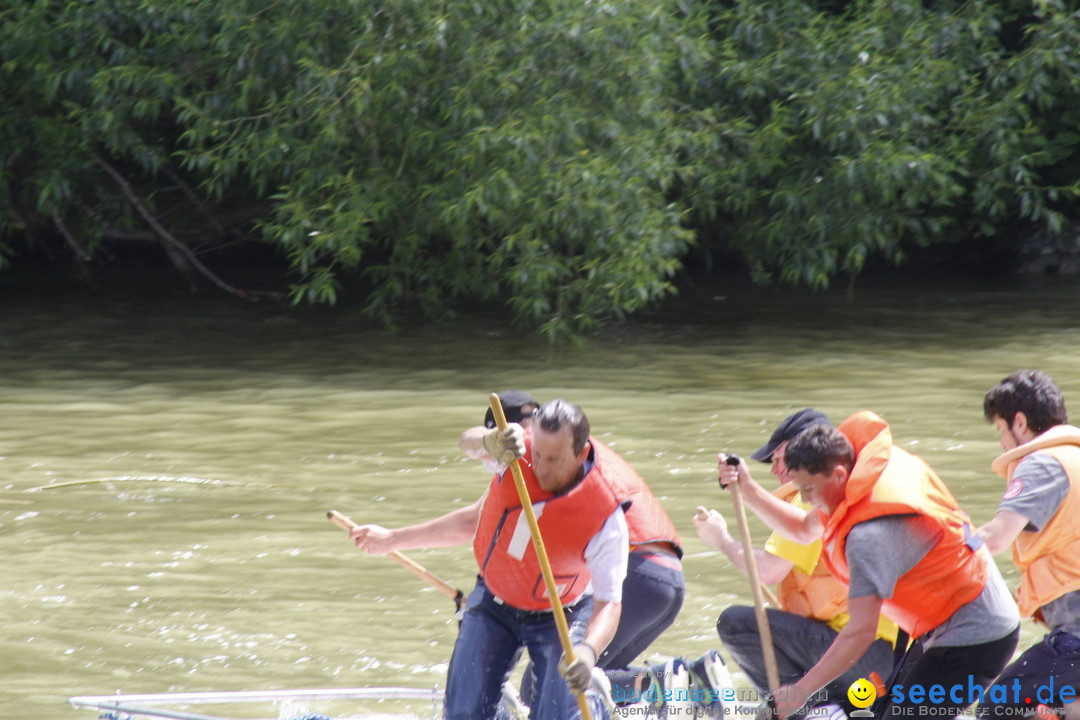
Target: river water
[[167, 461]]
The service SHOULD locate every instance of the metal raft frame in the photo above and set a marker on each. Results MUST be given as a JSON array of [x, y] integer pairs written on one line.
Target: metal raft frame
[[119, 707]]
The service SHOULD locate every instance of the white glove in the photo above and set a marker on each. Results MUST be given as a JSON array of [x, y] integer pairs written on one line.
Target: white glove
[[505, 445], [578, 674]]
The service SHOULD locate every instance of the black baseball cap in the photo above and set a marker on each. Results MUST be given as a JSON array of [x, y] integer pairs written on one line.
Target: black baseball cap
[[788, 429], [513, 402]]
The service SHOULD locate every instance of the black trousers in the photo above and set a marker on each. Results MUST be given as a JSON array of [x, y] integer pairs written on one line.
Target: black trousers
[[959, 673], [799, 643]]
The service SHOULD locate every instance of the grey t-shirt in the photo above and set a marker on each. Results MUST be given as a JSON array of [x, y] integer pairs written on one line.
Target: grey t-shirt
[[1037, 488], [882, 550]]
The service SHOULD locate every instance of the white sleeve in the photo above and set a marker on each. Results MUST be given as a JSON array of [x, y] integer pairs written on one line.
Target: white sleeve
[[606, 556]]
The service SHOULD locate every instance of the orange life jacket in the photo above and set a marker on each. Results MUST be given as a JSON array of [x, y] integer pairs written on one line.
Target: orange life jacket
[[1049, 560], [887, 480], [819, 595], [645, 518], [503, 544]]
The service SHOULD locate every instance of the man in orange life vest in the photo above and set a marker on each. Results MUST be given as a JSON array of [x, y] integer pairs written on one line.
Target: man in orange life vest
[[895, 534], [1039, 516], [578, 494], [813, 603], [654, 587]]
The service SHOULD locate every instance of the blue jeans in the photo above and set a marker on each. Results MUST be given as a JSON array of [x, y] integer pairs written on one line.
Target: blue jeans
[[487, 645], [1053, 662]]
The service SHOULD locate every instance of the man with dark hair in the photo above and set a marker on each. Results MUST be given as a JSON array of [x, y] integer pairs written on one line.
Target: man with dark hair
[[1039, 516], [577, 487], [895, 534], [813, 603], [1030, 392]]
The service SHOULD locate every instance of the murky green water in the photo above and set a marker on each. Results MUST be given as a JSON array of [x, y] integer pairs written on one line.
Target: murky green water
[[167, 464]]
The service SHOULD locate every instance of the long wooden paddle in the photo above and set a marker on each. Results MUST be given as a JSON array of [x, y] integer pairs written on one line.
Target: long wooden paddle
[[768, 652], [347, 524], [541, 554]]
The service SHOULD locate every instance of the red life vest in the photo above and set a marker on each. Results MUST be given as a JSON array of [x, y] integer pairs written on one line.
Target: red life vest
[[887, 480], [503, 545], [645, 518]]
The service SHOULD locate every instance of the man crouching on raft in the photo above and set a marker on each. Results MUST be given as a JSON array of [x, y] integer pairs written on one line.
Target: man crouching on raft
[[895, 534]]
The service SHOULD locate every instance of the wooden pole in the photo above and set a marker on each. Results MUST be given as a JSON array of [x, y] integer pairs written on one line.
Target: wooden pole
[[768, 652], [347, 524], [541, 554]]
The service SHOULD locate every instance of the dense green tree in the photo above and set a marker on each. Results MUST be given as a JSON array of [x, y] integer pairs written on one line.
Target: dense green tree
[[562, 157], [442, 150], [826, 138]]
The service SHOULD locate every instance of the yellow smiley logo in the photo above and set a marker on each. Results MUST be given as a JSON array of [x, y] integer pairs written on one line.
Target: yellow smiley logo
[[862, 693]]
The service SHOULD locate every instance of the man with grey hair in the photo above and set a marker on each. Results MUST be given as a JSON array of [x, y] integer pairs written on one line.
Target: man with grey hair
[[578, 491], [653, 590]]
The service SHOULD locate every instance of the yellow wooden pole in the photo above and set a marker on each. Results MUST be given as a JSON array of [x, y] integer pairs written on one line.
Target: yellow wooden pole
[[541, 554]]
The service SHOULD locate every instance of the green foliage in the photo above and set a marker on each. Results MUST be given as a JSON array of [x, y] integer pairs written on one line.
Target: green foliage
[[546, 155], [825, 140], [507, 151]]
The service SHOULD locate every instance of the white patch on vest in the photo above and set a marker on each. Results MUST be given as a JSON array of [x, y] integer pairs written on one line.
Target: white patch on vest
[[521, 538]]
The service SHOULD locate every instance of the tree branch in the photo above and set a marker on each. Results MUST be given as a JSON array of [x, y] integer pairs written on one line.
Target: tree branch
[[195, 199], [167, 236], [80, 251]]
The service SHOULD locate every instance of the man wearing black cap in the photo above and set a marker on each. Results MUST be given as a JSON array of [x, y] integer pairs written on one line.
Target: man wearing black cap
[[578, 488], [518, 406], [813, 604], [892, 530]]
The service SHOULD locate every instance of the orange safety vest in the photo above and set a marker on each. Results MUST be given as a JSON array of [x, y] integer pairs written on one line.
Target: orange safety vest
[[887, 480], [503, 544], [1049, 560], [819, 595], [645, 518]]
